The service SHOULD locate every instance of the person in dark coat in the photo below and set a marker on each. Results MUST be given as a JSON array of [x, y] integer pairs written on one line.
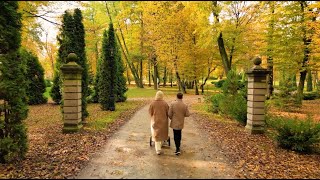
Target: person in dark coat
[[178, 110]]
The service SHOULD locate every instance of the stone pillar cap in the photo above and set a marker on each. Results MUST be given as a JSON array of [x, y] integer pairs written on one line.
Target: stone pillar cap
[[71, 66], [257, 69], [72, 57]]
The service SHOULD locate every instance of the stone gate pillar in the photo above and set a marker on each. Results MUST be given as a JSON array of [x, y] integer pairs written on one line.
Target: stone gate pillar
[[71, 94], [257, 89]]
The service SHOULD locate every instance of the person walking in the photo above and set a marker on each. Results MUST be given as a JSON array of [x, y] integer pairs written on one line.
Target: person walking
[[158, 111], [178, 110]]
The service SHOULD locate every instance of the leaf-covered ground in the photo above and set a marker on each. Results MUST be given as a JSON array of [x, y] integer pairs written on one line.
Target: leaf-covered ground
[[257, 156], [55, 155]]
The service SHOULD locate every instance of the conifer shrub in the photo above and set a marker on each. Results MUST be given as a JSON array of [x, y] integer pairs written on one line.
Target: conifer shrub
[[294, 134], [13, 107], [232, 101], [106, 81], [35, 78]]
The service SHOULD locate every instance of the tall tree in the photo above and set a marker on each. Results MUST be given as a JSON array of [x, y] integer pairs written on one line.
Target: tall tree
[[124, 48], [79, 39], [120, 81], [13, 137], [108, 68], [270, 49], [72, 40], [35, 77], [239, 15], [66, 46], [94, 20], [307, 39]]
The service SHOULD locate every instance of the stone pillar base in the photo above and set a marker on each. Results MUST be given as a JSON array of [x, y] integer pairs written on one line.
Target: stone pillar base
[[71, 128], [254, 130], [84, 122]]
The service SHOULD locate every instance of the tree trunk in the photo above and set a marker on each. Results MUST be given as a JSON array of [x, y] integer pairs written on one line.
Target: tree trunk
[[128, 78], [269, 57], [165, 77], [309, 81], [232, 51], [149, 72], [131, 66], [155, 72], [207, 77], [222, 49], [141, 51], [181, 85], [196, 84], [171, 78], [155, 80], [306, 42]]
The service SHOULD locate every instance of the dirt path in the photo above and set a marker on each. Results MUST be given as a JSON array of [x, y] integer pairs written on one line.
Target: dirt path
[[128, 155]]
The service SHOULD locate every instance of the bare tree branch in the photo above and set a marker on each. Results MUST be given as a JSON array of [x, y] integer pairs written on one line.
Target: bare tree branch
[[35, 15]]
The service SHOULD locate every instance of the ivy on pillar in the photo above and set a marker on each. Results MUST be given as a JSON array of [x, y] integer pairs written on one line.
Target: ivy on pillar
[[71, 94], [257, 89]]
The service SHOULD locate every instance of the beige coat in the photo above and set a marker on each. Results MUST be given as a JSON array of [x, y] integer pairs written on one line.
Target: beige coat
[[177, 112], [158, 111]]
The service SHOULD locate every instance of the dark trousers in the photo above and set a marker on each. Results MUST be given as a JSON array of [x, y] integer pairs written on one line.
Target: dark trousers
[[177, 138]]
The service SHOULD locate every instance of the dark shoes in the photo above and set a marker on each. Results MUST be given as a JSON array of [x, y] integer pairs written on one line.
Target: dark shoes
[[177, 152]]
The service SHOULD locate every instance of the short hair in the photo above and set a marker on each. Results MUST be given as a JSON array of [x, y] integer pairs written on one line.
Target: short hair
[[179, 95], [159, 95]]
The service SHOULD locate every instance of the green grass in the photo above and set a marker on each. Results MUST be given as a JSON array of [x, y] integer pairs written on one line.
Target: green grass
[[47, 94], [101, 119], [134, 92]]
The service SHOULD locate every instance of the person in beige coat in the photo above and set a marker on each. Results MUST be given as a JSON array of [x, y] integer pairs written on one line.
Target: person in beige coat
[[158, 111], [178, 110]]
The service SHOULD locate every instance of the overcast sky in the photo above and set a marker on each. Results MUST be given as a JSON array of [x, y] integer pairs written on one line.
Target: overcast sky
[[56, 10]]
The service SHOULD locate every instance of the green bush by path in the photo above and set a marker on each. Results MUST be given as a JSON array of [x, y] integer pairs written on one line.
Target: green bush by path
[[232, 102], [294, 134]]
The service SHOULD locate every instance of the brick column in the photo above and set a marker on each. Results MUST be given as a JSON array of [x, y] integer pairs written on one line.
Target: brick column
[[257, 89], [71, 93]]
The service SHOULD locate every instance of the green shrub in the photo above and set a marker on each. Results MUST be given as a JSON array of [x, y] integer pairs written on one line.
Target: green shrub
[[219, 83], [310, 95], [233, 101], [215, 102], [35, 78], [235, 107], [239, 109], [213, 78], [13, 83], [48, 82], [294, 134], [15, 147]]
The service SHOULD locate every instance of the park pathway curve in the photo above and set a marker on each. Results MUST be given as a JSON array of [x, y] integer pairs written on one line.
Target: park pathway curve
[[128, 155]]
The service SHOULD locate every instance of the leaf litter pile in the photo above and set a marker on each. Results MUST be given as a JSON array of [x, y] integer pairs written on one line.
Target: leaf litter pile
[[258, 156], [55, 155]]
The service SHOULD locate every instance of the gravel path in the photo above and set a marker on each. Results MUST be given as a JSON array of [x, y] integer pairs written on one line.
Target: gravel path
[[128, 155]]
